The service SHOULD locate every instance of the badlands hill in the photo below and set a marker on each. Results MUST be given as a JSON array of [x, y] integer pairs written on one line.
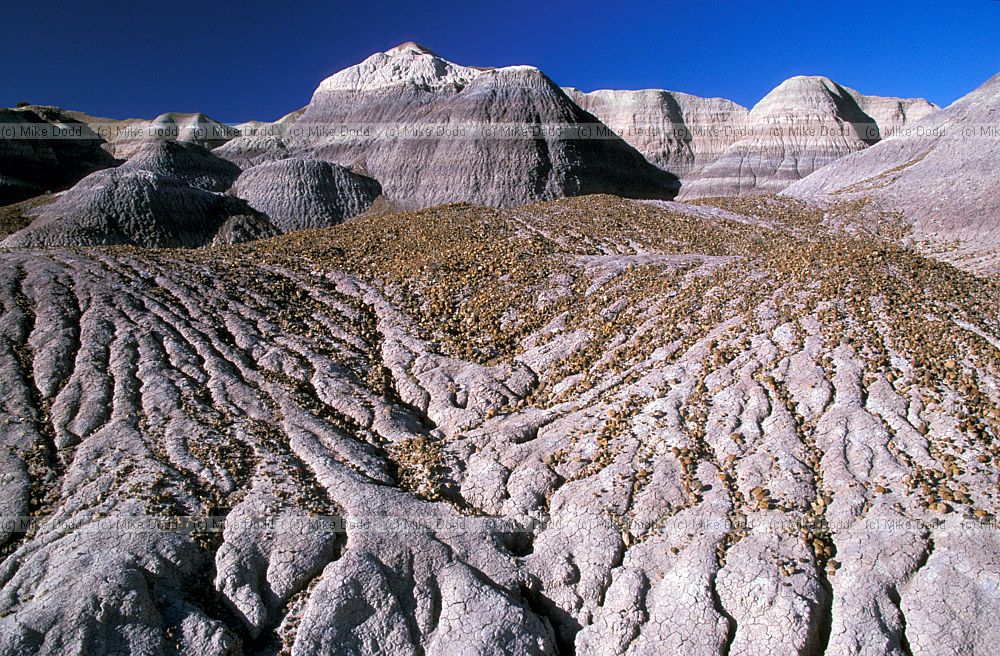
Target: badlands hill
[[50, 149], [411, 88], [42, 160], [167, 195], [297, 194], [719, 148], [801, 126], [177, 194], [259, 142], [429, 131], [132, 136], [675, 131], [941, 175], [588, 426], [593, 425], [715, 146], [407, 88]]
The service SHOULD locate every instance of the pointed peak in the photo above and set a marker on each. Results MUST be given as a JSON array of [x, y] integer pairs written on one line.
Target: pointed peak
[[410, 46]]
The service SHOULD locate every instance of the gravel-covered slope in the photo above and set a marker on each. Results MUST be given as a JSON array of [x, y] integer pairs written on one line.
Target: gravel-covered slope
[[704, 434]]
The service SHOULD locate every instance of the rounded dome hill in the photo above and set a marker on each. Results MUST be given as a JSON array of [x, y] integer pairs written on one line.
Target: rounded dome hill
[[167, 195], [297, 194], [133, 207], [186, 162]]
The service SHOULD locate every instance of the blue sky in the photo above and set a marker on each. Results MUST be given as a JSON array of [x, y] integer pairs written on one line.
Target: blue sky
[[242, 60]]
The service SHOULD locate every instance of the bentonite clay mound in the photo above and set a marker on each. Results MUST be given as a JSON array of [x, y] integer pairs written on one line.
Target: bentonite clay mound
[[941, 175], [297, 194], [590, 426], [195, 128], [250, 151], [413, 89], [801, 126], [185, 162], [259, 142], [165, 196], [139, 208]]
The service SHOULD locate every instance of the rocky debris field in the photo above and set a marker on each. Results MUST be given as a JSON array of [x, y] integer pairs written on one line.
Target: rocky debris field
[[588, 426]]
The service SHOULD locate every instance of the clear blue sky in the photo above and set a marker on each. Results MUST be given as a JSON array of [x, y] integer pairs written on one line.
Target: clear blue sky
[[242, 60]]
